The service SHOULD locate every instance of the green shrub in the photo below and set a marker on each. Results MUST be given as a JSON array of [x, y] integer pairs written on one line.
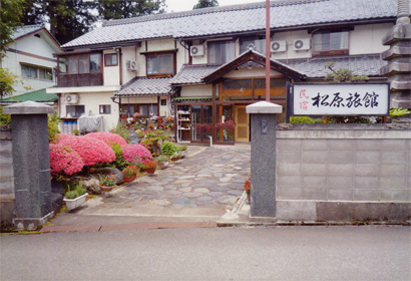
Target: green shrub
[[120, 163], [168, 148], [80, 190], [121, 130], [5, 119], [162, 158], [53, 126], [301, 120], [71, 194]]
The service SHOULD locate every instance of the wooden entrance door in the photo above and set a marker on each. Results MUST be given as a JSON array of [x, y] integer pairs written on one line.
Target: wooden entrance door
[[241, 124]]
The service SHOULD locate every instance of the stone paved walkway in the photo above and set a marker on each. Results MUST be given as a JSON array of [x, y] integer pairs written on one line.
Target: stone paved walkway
[[214, 178], [199, 188]]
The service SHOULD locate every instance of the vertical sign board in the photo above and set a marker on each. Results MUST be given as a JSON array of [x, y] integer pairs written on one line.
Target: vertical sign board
[[347, 99]]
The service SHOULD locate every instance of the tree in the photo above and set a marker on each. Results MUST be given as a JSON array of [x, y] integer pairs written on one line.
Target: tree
[[7, 82], [342, 74], [114, 9], [205, 4], [10, 13], [68, 19]]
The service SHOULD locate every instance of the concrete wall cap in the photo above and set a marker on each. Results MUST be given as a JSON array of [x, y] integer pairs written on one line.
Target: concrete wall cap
[[28, 107], [264, 107]]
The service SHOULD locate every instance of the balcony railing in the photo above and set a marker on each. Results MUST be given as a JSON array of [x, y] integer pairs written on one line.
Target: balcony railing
[[79, 80]]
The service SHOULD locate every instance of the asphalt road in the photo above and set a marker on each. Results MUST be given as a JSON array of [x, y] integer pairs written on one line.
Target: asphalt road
[[281, 253]]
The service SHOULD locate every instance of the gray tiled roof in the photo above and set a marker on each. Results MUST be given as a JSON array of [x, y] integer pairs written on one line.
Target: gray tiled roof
[[235, 19], [27, 29], [192, 74], [146, 87], [361, 65]]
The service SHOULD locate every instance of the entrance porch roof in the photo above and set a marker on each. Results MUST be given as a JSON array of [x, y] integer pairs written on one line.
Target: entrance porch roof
[[249, 57]]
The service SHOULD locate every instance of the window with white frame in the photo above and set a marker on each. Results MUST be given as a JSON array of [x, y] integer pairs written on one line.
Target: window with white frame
[[330, 43], [221, 51]]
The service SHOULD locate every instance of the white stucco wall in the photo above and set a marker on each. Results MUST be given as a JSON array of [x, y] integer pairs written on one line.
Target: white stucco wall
[[92, 101], [289, 37], [111, 74], [367, 39], [130, 53], [197, 91]]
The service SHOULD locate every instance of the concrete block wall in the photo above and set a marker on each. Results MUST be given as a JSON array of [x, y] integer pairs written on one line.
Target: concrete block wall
[[342, 166], [7, 204]]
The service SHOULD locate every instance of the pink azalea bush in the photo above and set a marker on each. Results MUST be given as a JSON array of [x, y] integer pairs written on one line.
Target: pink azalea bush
[[136, 153], [64, 159], [109, 138], [92, 151]]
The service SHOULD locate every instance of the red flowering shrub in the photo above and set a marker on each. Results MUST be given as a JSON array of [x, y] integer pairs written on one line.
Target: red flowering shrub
[[109, 138], [64, 159], [92, 151], [136, 153]]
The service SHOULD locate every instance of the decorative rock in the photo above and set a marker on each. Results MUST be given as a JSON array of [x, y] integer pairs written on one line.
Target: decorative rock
[[114, 171], [92, 185]]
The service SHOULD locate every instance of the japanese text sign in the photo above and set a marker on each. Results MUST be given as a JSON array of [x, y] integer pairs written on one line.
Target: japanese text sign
[[340, 99]]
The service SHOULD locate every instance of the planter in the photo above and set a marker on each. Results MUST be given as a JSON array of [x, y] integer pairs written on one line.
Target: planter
[[106, 188], [129, 179], [183, 153], [76, 202], [163, 165], [151, 171]]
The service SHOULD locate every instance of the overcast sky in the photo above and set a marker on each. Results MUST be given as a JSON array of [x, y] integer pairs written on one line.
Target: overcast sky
[[186, 5]]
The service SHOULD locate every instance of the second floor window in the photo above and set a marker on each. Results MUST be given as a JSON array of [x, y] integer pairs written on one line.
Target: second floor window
[[110, 59], [330, 43], [221, 51], [162, 64], [36, 72], [84, 63]]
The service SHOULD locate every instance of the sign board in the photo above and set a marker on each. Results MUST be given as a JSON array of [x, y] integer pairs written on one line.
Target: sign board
[[346, 99]]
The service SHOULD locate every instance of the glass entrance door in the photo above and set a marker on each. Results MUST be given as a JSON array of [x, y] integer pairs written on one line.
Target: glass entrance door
[[225, 124], [201, 124]]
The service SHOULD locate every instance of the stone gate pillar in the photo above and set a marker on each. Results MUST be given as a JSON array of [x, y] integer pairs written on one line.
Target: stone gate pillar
[[31, 163], [263, 157]]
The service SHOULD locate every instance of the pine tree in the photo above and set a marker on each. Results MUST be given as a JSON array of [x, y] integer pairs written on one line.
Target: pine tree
[[205, 4]]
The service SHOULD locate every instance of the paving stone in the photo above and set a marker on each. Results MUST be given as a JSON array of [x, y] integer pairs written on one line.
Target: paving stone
[[185, 189], [229, 200], [170, 187], [218, 188], [225, 179], [186, 177], [231, 175], [185, 184], [182, 200], [150, 197], [238, 168], [172, 192], [155, 188], [161, 202], [204, 198], [216, 194], [202, 190], [235, 192], [204, 175], [218, 175], [192, 195], [239, 180], [183, 181]]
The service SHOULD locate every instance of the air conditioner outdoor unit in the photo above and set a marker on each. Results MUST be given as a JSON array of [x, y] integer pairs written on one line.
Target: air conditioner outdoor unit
[[132, 65], [278, 46], [301, 45], [197, 50], [71, 98]]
